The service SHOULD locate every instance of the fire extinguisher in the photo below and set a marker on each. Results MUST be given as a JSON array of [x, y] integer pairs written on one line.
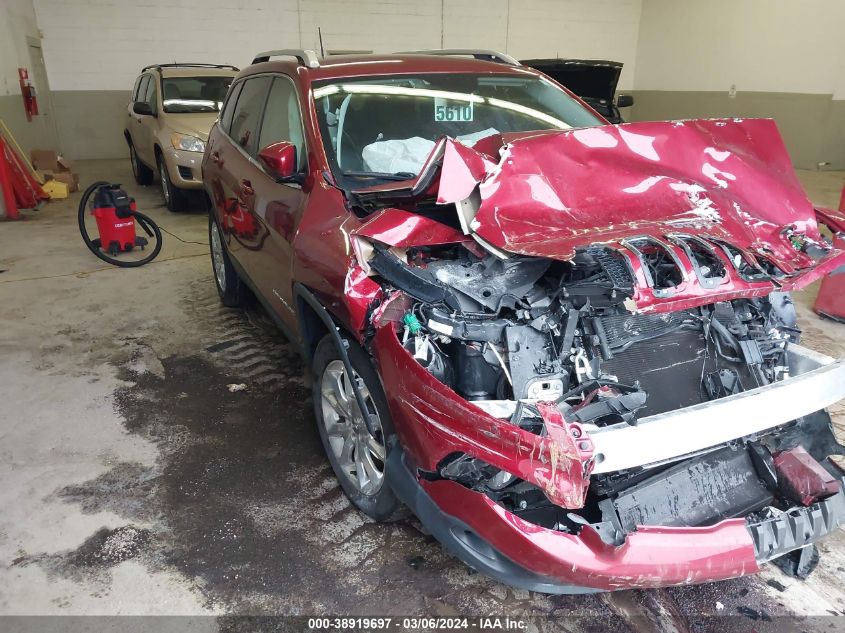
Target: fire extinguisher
[[116, 216], [30, 102]]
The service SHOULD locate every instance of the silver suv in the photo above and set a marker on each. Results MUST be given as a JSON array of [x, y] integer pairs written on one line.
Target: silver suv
[[172, 109]]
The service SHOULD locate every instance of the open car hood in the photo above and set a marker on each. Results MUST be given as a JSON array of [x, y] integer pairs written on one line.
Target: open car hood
[[590, 79], [728, 182]]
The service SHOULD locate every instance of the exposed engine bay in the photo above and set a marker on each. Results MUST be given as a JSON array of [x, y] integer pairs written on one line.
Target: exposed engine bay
[[609, 375], [514, 336]]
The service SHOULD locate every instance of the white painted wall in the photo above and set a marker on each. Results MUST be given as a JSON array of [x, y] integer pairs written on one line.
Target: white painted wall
[[756, 45], [17, 21], [102, 44]]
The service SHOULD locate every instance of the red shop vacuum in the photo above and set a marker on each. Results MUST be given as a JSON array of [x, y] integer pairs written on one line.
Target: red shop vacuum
[[116, 216]]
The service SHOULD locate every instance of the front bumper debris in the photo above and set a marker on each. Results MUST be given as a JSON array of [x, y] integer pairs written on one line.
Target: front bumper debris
[[798, 526], [666, 436]]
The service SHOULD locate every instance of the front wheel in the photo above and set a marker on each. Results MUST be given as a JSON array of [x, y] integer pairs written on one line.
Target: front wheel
[[356, 456], [174, 197], [229, 285]]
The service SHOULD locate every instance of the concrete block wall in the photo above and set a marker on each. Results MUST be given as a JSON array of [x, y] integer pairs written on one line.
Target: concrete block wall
[[748, 58], [95, 48], [18, 28]]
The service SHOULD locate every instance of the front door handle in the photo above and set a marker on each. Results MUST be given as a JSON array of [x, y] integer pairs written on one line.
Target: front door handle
[[246, 188], [215, 158]]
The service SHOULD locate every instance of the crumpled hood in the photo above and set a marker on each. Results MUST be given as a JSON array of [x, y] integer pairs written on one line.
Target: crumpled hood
[[725, 179], [727, 183]]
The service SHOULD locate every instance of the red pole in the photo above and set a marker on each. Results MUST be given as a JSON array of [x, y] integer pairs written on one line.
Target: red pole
[[6, 183]]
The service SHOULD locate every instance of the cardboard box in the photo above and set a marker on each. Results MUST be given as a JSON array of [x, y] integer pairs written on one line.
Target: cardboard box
[[69, 178], [48, 160], [64, 164], [44, 159], [52, 166]]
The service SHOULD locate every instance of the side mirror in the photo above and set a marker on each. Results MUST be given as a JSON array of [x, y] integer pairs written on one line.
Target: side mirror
[[143, 108], [280, 160], [624, 101]]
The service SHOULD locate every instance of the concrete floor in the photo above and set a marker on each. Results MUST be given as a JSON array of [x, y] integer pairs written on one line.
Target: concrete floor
[[133, 482]]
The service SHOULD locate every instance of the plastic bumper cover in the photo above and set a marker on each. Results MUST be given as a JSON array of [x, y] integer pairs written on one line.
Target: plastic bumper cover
[[492, 540], [179, 164]]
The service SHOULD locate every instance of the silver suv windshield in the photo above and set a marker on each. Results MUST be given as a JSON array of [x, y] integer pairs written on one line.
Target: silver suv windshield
[[385, 127]]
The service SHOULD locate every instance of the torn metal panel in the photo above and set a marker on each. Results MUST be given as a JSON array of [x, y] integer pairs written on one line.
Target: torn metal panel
[[403, 229], [712, 181]]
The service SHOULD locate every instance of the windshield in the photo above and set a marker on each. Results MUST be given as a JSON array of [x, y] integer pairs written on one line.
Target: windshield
[[194, 94], [387, 126]]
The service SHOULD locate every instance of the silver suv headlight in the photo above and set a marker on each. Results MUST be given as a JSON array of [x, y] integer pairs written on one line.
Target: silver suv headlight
[[187, 143]]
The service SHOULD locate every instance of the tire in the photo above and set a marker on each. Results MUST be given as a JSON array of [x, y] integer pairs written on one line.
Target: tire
[[143, 174], [343, 433], [231, 289], [174, 198]]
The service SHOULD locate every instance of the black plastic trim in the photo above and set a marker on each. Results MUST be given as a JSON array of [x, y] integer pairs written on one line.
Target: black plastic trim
[[301, 291], [797, 527]]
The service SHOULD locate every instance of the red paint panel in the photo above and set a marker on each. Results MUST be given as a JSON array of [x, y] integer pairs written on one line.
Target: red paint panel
[[803, 478], [403, 229], [650, 557], [432, 421], [727, 179], [830, 301]]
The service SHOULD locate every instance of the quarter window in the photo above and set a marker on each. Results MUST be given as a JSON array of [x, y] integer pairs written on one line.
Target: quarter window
[[282, 120], [229, 108], [142, 88], [248, 113], [150, 96], [135, 88]]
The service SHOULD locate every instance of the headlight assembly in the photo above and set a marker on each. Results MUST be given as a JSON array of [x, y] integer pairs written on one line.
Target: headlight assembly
[[187, 143]]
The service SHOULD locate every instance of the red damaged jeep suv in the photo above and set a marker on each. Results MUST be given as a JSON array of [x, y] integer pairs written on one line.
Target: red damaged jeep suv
[[567, 346]]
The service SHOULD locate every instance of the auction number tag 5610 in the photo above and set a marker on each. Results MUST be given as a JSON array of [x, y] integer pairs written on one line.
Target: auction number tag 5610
[[448, 110]]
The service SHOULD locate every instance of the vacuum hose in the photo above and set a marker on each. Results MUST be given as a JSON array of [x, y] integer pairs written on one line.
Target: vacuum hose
[[146, 223]]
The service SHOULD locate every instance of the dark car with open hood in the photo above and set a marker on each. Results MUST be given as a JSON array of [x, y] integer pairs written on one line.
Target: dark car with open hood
[[594, 80], [567, 346]]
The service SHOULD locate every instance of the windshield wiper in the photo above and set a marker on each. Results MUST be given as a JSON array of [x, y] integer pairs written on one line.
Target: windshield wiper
[[399, 175]]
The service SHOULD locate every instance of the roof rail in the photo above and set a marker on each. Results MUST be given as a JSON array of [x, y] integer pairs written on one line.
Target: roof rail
[[305, 56], [190, 65], [485, 55]]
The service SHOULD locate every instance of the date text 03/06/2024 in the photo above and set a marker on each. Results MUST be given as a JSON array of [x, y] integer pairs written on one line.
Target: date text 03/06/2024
[[421, 623]]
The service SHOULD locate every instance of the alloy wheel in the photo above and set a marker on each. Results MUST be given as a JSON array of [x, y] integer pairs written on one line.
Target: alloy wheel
[[360, 455], [217, 256], [165, 181]]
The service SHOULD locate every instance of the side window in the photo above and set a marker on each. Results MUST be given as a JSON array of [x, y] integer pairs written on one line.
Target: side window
[[150, 96], [282, 120], [229, 108], [248, 113], [142, 88], [135, 88]]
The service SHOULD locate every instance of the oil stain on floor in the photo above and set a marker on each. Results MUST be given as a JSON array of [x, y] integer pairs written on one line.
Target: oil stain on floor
[[243, 504]]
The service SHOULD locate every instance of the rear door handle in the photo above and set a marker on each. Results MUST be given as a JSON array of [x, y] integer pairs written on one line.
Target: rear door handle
[[246, 188]]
